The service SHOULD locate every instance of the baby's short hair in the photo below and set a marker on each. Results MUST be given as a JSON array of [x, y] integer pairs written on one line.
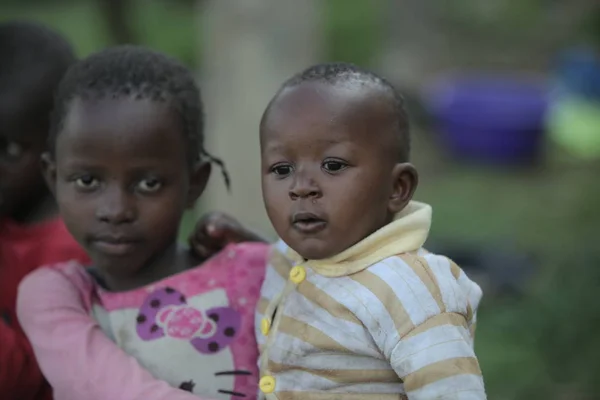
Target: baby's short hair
[[340, 72], [33, 60]]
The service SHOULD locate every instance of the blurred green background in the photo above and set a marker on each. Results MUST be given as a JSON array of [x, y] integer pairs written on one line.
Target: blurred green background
[[539, 343]]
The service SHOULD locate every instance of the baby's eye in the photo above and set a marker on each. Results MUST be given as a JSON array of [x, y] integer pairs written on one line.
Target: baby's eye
[[150, 185], [87, 182], [334, 166], [282, 169]]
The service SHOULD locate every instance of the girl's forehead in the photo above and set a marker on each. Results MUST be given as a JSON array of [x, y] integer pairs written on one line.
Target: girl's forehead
[[121, 126], [125, 111]]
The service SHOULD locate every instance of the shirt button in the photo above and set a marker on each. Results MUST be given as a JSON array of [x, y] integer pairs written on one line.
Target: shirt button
[[297, 274], [267, 384], [265, 326]]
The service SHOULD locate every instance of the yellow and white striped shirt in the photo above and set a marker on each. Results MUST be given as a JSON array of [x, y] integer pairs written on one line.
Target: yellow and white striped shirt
[[382, 320]]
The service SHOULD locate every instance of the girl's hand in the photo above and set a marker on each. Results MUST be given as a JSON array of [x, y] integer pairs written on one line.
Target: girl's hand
[[216, 230]]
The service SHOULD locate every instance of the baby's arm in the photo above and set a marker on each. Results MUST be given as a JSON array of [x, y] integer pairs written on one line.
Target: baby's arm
[[77, 358], [426, 312], [436, 361]]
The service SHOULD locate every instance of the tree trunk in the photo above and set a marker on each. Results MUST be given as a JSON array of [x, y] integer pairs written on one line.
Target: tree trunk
[[250, 48], [117, 16]]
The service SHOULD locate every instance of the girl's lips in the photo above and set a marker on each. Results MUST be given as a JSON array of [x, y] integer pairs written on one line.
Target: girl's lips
[[115, 246]]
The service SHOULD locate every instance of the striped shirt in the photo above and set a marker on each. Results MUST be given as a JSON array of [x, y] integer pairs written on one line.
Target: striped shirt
[[396, 326]]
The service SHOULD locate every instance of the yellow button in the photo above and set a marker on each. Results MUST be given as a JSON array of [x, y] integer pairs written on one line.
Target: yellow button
[[267, 384], [265, 327], [297, 274]]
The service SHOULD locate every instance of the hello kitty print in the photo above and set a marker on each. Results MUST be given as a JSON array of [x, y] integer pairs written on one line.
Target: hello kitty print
[[165, 312], [195, 330]]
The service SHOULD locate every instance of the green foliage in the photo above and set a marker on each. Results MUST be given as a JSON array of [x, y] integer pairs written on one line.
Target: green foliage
[[546, 346], [168, 27], [352, 30], [567, 318], [77, 21]]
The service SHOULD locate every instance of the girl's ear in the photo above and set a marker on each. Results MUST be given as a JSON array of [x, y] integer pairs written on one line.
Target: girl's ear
[[198, 180], [404, 181], [49, 171]]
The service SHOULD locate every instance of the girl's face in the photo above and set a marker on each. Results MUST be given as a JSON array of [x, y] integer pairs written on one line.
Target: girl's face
[[122, 182]]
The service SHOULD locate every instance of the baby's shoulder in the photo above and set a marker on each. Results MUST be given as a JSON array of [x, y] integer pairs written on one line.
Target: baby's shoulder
[[421, 281], [415, 269]]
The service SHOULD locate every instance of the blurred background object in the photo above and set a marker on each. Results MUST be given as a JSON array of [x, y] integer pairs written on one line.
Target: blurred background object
[[491, 119], [504, 97], [574, 119], [249, 49], [117, 14]]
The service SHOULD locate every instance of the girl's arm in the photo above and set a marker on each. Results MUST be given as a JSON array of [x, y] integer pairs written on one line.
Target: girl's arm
[[77, 358]]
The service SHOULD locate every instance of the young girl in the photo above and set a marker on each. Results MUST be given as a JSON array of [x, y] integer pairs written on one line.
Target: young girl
[[126, 159]]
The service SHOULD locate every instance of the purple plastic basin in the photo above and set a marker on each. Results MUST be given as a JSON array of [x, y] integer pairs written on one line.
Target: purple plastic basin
[[489, 119]]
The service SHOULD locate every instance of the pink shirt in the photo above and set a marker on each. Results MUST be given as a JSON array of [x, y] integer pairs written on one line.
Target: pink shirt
[[193, 331]]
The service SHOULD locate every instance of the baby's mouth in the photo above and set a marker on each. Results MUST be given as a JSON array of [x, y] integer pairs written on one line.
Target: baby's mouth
[[308, 223]]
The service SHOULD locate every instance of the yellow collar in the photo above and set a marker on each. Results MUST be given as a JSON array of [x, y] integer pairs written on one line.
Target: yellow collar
[[406, 233]]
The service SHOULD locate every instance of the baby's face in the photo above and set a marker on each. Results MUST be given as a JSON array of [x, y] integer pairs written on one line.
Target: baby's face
[[329, 166]]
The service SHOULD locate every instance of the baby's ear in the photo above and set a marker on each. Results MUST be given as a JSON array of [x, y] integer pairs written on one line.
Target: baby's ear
[[198, 180], [48, 166], [404, 184]]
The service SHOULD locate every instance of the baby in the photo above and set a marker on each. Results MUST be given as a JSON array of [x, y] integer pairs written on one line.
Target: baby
[[364, 312]]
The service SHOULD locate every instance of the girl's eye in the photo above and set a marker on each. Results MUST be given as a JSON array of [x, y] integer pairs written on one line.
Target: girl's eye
[[14, 150], [87, 182], [149, 185], [334, 166], [10, 150], [282, 169]]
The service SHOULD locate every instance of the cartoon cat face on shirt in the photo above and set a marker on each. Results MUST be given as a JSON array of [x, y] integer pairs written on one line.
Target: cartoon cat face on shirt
[[166, 313], [185, 341]]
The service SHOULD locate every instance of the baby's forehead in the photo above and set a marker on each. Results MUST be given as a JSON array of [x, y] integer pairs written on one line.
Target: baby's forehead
[[319, 115], [324, 104], [321, 92]]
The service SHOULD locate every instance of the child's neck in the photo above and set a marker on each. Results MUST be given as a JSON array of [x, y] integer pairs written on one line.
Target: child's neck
[[173, 260]]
